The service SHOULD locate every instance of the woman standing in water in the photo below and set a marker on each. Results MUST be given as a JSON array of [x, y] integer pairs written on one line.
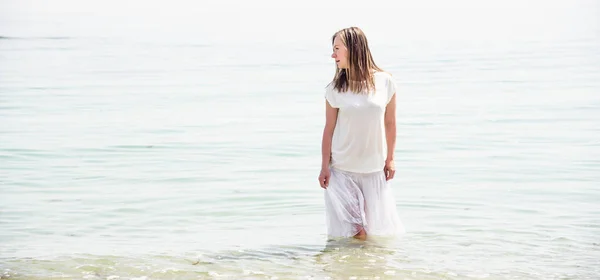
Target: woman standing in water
[[358, 143]]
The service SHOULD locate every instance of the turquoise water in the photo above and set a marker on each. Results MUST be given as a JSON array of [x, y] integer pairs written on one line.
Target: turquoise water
[[129, 155]]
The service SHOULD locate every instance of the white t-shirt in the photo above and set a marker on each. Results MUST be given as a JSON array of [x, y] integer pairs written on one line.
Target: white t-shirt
[[359, 143]]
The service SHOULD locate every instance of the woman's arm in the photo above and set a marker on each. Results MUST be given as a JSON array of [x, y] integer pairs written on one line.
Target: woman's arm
[[390, 137], [330, 120]]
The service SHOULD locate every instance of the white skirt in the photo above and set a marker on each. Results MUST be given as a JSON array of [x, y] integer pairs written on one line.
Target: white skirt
[[355, 201]]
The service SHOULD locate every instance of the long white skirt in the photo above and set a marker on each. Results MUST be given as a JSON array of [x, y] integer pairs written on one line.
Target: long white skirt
[[355, 201]]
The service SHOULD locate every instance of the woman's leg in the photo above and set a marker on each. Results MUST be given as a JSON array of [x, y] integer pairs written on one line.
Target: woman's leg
[[361, 235], [380, 206], [344, 205]]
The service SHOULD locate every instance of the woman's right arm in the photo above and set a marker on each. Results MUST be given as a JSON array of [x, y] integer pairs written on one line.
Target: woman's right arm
[[330, 120]]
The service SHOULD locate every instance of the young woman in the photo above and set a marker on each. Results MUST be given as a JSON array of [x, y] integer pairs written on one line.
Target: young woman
[[358, 143]]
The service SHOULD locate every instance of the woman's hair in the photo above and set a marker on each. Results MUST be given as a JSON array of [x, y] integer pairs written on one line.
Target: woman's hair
[[359, 76]]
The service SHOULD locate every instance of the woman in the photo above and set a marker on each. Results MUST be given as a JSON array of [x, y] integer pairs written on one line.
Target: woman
[[358, 144]]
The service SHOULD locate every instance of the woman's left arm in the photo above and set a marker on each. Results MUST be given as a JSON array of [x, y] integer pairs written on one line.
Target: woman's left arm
[[390, 137]]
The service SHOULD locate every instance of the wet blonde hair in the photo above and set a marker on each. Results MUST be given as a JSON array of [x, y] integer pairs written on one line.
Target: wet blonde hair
[[359, 77]]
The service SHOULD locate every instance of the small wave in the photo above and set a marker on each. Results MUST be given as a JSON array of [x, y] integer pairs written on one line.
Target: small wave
[[34, 38]]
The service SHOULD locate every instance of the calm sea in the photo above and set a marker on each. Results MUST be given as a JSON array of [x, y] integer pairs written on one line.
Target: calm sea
[[185, 148]]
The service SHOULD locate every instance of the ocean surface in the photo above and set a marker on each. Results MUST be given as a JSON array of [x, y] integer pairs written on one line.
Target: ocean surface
[[129, 154]]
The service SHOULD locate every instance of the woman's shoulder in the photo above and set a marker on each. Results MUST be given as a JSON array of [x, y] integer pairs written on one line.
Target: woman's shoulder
[[384, 77], [383, 74], [330, 88]]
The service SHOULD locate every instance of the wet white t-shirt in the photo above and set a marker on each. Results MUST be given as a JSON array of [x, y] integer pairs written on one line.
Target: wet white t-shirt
[[359, 143]]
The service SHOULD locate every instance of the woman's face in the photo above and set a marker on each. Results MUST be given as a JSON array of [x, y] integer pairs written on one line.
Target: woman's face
[[340, 53]]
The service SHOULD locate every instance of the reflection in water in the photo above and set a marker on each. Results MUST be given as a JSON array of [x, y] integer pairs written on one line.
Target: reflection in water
[[354, 258], [336, 259]]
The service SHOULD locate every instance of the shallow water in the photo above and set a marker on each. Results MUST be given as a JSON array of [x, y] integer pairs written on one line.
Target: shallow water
[[151, 158]]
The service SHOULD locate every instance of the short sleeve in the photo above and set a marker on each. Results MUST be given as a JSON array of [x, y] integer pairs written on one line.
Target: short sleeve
[[391, 88], [330, 96]]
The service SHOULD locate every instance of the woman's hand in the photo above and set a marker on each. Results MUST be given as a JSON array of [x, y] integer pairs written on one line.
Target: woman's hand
[[324, 177], [389, 169]]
